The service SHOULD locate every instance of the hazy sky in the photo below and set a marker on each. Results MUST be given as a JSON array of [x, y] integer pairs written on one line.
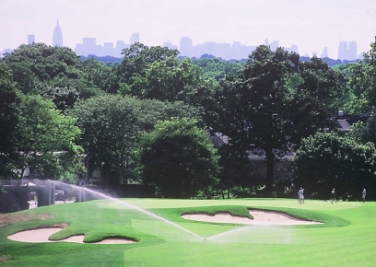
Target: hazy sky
[[310, 24]]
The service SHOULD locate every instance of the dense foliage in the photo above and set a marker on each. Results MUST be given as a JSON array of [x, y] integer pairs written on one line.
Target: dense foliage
[[56, 108], [327, 160], [275, 100], [178, 157]]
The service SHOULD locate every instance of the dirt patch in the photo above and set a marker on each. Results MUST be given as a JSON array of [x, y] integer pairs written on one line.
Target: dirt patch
[[5, 258], [7, 219], [260, 217], [42, 235]]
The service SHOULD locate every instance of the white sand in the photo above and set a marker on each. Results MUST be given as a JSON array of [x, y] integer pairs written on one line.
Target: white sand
[[42, 235], [260, 217]]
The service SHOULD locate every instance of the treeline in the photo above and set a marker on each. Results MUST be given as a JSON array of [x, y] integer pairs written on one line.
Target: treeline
[[329, 61], [148, 119]]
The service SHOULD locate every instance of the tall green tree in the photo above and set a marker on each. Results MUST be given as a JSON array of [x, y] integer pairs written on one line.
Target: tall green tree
[[178, 157], [9, 114], [53, 72], [275, 100], [112, 127], [364, 132], [46, 139], [172, 80], [362, 82], [317, 92], [254, 108], [218, 69], [103, 76], [45, 62], [327, 160], [136, 60]]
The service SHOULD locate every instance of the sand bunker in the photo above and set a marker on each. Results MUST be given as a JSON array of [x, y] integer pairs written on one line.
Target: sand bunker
[[42, 235], [260, 217]]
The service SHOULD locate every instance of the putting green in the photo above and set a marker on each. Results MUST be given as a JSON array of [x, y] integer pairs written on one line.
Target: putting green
[[346, 238]]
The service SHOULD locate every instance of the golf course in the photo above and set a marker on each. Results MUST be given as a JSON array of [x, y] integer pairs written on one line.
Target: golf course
[[156, 233]]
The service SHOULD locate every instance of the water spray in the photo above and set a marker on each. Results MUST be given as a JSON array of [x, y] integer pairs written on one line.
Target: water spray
[[122, 202]]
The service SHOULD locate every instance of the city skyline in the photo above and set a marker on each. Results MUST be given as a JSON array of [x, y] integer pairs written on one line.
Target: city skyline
[[236, 50], [309, 25]]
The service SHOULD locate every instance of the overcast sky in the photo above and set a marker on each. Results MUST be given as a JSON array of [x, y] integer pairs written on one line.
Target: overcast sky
[[309, 24]]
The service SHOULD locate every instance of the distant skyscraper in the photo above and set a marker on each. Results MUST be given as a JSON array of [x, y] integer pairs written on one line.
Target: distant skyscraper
[[169, 45], [347, 52], [120, 45], [186, 46], [108, 49], [210, 48], [352, 51], [236, 46], [266, 42], [89, 47], [224, 51], [274, 45], [292, 48], [342, 50], [324, 53], [57, 39], [135, 38], [30, 39]]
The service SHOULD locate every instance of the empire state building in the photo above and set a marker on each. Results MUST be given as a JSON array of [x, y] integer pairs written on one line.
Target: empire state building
[[58, 36]]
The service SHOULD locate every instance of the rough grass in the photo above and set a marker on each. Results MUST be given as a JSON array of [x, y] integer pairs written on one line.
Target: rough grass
[[6, 219], [345, 239]]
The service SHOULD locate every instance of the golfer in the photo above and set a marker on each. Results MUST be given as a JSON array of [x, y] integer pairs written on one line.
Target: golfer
[[301, 196], [334, 195], [364, 195]]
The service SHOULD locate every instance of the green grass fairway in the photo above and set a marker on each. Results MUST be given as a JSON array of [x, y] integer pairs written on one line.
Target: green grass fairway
[[347, 237]]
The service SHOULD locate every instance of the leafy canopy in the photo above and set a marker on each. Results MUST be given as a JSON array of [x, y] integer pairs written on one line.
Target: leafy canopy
[[178, 157]]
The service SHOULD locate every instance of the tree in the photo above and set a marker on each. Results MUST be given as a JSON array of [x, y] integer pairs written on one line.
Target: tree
[[363, 132], [172, 80], [327, 160], [46, 139], [217, 68], [53, 72], [254, 108], [362, 82], [235, 169], [46, 62], [178, 157], [112, 127], [273, 102], [63, 98], [137, 59], [9, 99], [154, 110], [317, 93], [102, 76]]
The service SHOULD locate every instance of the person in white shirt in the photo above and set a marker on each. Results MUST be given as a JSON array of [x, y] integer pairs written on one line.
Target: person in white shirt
[[364, 195], [301, 196], [334, 195]]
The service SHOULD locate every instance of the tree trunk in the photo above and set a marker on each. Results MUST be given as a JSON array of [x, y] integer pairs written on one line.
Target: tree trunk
[[269, 171]]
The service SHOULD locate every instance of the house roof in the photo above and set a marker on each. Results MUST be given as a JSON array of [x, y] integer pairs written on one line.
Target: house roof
[[344, 121]]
